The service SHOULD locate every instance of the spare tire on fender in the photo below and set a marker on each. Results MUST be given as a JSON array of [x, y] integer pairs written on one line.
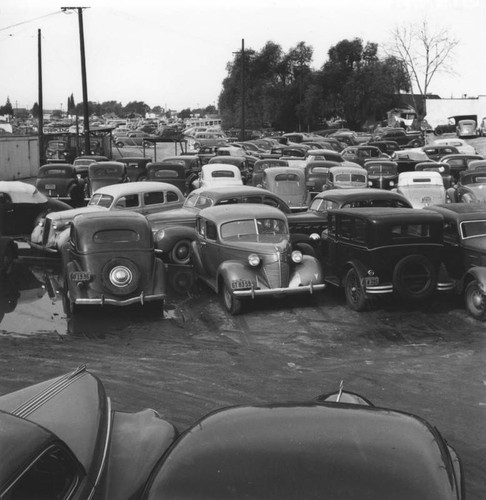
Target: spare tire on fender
[[415, 277]]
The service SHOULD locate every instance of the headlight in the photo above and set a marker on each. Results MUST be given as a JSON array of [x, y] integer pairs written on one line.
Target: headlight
[[253, 260], [297, 256], [159, 235]]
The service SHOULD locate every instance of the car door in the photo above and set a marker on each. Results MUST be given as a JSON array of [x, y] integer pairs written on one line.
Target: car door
[[7, 215]]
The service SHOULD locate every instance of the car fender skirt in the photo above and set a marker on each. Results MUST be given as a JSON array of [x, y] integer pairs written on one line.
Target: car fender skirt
[[138, 440], [477, 273]]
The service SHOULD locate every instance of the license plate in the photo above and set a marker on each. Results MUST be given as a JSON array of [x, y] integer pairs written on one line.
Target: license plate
[[50, 186], [239, 284], [80, 276], [371, 281]]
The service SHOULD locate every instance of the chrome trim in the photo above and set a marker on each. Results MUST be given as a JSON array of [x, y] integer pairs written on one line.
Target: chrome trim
[[105, 448], [134, 300], [279, 291], [25, 409]]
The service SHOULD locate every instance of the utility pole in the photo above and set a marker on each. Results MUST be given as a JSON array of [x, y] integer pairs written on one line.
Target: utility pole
[[242, 123], [40, 124], [87, 143]]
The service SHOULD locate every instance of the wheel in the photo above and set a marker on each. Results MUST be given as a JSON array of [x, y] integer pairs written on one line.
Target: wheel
[[120, 276], [232, 303], [181, 253], [475, 301], [414, 277], [353, 290]]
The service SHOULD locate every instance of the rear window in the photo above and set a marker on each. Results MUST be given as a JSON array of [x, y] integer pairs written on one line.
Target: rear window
[[57, 172], [287, 177], [105, 171], [165, 174], [116, 236], [222, 173], [410, 231], [470, 229]]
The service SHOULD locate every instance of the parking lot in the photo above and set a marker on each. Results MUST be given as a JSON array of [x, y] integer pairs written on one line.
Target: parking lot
[[193, 357]]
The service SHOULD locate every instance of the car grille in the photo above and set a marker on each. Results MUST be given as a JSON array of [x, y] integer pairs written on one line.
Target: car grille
[[47, 228], [277, 273]]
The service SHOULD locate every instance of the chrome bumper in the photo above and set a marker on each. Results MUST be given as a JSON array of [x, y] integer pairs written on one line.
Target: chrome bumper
[[140, 299], [279, 291]]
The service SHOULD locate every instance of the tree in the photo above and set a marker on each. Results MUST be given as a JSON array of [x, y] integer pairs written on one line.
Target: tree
[[35, 110], [7, 109], [71, 106], [424, 53]]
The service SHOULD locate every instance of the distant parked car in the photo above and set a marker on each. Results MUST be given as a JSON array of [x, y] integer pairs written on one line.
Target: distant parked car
[[406, 159], [106, 173], [134, 139], [110, 258], [219, 174], [382, 174], [347, 177], [422, 188], [363, 153], [370, 252], [461, 145], [172, 173], [464, 257], [323, 154], [459, 162], [261, 165], [316, 175], [436, 152], [192, 165], [289, 183], [442, 168], [238, 161], [136, 167], [466, 128], [470, 188], [404, 139], [388, 147], [243, 252], [60, 180], [52, 230]]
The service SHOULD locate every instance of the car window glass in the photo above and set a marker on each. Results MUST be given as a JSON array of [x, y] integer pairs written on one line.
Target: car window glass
[[115, 236], [52, 476], [203, 202], [410, 231], [211, 232], [228, 201], [103, 200], [473, 228], [191, 200], [153, 198], [129, 201], [5, 198], [267, 200], [172, 196]]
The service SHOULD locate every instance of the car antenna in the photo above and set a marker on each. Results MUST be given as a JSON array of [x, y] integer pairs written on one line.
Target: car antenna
[[341, 386]]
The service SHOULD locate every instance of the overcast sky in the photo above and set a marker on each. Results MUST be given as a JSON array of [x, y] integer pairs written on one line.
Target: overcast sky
[[174, 53]]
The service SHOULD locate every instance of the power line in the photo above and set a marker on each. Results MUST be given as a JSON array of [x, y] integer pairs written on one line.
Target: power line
[[29, 21]]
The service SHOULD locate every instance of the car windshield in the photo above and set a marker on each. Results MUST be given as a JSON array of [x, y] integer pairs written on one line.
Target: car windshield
[[473, 228], [381, 170], [320, 205], [254, 229], [357, 178], [103, 200]]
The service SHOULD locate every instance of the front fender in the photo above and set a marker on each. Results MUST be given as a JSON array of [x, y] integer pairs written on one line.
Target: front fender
[[231, 270], [166, 238], [476, 273]]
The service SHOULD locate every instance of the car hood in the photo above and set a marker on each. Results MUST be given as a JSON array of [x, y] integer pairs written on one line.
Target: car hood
[[68, 215], [263, 244], [173, 216]]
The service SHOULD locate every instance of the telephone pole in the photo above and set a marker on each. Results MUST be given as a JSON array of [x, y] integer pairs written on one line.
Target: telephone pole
[[242, 124], [87, 143]]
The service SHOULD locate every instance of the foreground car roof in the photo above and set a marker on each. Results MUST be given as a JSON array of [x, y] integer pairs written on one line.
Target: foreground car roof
[[326, 451], [21, 192], [127, 188]]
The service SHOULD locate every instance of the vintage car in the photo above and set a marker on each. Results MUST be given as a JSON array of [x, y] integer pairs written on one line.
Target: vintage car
[[422, 188], [135, 138], [370, 252], [110, 259], [243, 251], [406, 159], [205, 153], [81, 163], [347, 177], [136, 167], [433, 166], [388, 147], [191, 163], [238, 161], [464, 256], [405, 139], [437, 151], [107, 454], [106, 173], [470, 188], [52, 230], [323, 154], [316, 175], [237, 151], [172, 173], [174, 229], [363, 153], [22, 206], [477, 165], [459, 162], [382, 174], [260, 166], [219, 174], [466, 128], [61, 181], [460, 144], [289, 183]]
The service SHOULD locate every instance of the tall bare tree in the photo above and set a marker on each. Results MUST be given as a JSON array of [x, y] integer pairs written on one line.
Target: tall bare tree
[[425, 53]]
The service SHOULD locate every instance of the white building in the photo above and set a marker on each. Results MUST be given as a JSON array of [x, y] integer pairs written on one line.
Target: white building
[[439, 110]]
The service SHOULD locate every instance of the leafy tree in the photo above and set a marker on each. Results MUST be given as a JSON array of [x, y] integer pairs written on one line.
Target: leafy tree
[[35, 110], [136, 108], [7, 109], [71, 106], [424, 53], [184, 113]]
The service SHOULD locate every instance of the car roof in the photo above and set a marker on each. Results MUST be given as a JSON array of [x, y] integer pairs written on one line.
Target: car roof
[[227, 213], [460, 211], [406, 177], [323, 449], [22, 192], [377, 214], [135, 187], [348, 168], [360, 194]]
